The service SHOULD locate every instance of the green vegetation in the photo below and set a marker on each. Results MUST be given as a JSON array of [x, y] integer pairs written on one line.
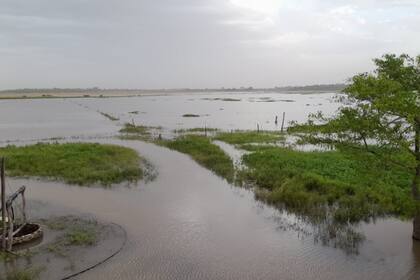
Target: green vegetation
[[329, 185], [26, 274], [74, 231], [81, 236], [190, 116], [135, 129], [380, 118], [75, 163], [244, 137], [196, 129], [137, 132], [205, 153], [108, 116]]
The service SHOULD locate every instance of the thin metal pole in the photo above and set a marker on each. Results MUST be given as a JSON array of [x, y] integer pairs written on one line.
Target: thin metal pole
[[3, 204]]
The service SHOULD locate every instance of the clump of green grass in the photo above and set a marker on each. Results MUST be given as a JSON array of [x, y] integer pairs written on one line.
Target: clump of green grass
[[81, 236], [205, 153], [190, 115], [135, 129], [322, 185], [110, 117], [244, 137], [74, 163]]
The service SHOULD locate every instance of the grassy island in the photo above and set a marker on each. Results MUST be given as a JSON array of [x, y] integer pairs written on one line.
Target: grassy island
[[74, 163]]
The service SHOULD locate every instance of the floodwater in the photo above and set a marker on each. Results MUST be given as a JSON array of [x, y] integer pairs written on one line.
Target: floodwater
[[45, 118], [190, 224]]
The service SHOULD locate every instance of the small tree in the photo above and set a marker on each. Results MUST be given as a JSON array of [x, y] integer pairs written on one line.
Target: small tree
[[380, 116]]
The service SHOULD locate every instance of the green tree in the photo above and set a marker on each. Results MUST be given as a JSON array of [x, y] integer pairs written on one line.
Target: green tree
[[380, 117]]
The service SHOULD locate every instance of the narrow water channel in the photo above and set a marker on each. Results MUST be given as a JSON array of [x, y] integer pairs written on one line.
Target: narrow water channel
[[190, 224]]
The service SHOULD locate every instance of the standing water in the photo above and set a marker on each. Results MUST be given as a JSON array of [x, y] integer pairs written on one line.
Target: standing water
[[190, 224]]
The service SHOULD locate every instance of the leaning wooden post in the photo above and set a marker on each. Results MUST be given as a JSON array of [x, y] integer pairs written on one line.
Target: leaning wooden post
[[3, 204], [282, 121]]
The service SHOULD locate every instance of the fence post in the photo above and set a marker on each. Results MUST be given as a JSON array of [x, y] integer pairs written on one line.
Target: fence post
[[282, 121], [3, 204]]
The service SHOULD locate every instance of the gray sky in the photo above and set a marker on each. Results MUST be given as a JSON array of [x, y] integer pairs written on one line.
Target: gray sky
[[198, 43]]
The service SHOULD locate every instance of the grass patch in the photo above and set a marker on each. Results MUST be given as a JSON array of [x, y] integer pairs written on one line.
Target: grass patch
[[196, 129], [205, 153], [332, 185], [85, 236], [135, 129], [74, 163], [25, 274], [244, 137], [190, 116]]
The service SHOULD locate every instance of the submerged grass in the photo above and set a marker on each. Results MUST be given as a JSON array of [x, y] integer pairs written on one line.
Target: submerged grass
[[25, 274], [74, 163], [135, 129], [322, 185], [196, 129], [108, 116], [244, 137], [205, 153], [81, 236]]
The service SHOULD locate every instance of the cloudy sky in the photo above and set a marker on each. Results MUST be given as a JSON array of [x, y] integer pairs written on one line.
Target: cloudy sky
[[198, 43]]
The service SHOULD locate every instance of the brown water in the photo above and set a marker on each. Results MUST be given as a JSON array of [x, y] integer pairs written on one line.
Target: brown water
[[190, 224]]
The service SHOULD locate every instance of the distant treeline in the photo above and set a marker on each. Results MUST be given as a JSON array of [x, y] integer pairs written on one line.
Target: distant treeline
[[324, 87]]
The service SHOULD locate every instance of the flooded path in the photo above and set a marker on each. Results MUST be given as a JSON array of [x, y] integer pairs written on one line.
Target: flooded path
[[190, 224]]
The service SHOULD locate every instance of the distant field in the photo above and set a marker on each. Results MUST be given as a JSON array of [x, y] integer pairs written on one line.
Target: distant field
[[96, 92]]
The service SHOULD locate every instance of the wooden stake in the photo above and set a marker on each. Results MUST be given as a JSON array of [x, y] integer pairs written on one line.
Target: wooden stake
[[3, 204], [282, 121]]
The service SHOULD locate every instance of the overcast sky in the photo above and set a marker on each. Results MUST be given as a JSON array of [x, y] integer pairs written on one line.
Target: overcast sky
[[198, 43]]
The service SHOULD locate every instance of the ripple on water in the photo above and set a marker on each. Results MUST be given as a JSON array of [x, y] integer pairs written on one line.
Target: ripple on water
[[190, 224]]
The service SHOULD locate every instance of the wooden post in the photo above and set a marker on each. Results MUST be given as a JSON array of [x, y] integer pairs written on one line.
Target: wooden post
[[282, 121], [3, 204], [11, 227], [258, 127], [205, 130], [24, 207]]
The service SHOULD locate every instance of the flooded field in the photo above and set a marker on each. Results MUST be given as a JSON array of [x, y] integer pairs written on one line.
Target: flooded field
[[189, 223], [46, 118]]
